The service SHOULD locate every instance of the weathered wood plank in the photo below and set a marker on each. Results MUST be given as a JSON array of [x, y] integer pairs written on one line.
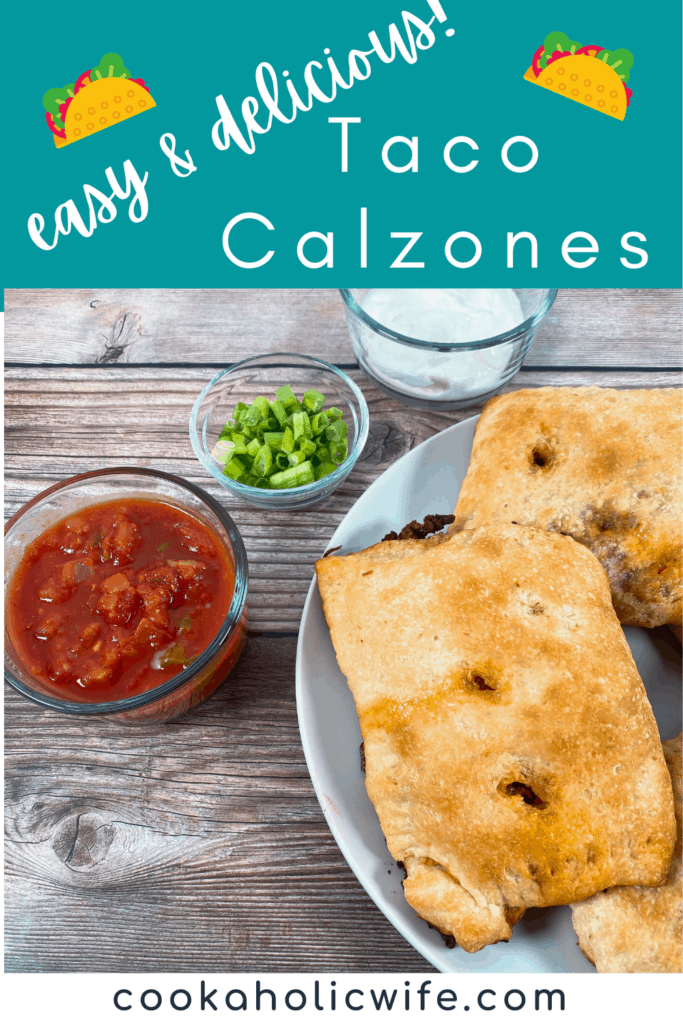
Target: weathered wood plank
[[197, 845], [585, 327], [113, 833], [237, 758], [66, 421]]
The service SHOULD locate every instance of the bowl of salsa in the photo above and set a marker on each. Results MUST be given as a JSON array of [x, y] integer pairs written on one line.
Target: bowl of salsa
[[125, 595]]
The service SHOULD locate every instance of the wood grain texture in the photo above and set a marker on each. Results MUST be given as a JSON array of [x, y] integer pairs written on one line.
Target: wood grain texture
[[198, 845], [585, 327], [66, 421]]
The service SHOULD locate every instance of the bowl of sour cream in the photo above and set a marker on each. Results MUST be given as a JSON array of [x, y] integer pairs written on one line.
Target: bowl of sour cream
[[443, 348]]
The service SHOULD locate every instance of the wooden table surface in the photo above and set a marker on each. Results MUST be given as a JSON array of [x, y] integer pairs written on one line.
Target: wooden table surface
[[199, 845]]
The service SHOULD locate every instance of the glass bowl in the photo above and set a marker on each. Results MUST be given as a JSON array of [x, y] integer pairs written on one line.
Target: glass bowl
[[262, 375], [195, 683], [431, 374]]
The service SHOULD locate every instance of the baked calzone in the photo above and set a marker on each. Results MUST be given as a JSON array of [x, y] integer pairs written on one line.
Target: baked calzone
[[633, 929], [512, 755], [600, 465]]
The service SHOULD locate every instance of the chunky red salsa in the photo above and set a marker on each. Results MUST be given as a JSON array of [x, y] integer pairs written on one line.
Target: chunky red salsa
[[118, 598]]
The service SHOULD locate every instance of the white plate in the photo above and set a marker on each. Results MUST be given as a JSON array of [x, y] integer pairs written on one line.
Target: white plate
[[426, 480]]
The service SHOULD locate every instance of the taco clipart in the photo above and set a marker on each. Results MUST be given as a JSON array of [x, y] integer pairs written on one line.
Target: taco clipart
[[99, 98], [590, 75]]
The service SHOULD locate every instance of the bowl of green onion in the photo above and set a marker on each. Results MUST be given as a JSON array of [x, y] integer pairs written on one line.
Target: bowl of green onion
[[280, 431]]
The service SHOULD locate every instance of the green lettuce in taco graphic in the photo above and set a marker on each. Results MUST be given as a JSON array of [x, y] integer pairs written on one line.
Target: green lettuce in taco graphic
[[590, 75]]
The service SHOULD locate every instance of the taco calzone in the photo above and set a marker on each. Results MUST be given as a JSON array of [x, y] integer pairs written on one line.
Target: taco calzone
[[511, 753], [634, 929], [601, 465]]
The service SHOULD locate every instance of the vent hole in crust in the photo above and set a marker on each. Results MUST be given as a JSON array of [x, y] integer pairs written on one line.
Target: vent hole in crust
[[368, 573], [526, 792], [536, 608], [542, 456], [481, 683]]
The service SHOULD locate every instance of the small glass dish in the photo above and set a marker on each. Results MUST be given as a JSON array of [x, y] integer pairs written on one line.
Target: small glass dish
[[262, 375], [442, 375], [195, 683]]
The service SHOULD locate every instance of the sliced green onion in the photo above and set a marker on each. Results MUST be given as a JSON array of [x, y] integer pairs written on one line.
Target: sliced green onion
[[301, 425], [271, 443], [319, 423], [279, 411], [324, 469], [308, 447], [287, 397], [313, 401], [263, 462], [339, 451], [240, 443], [336, 430], [222, 451], [287, 441], [297, 476], [298, 427], [252, 416], [235, 469], [273, 439]]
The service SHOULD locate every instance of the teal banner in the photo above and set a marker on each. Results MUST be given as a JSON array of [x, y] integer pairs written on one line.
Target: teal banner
[[379, 143]]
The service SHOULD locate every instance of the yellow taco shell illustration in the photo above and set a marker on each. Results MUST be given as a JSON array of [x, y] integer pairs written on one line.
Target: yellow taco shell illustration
[[103, 103], [587, 74], [98, 99]]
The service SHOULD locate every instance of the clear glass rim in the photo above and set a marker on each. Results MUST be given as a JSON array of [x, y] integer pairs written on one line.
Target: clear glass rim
[[234, 615], [442, 346], [247, 492]]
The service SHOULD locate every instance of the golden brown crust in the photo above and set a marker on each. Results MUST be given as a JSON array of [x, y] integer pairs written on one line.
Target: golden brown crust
[[633, 929], [601, 465], [543, 788]]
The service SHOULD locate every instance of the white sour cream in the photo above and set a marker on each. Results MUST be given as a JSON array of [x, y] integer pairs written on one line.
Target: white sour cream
[[454, 316]]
